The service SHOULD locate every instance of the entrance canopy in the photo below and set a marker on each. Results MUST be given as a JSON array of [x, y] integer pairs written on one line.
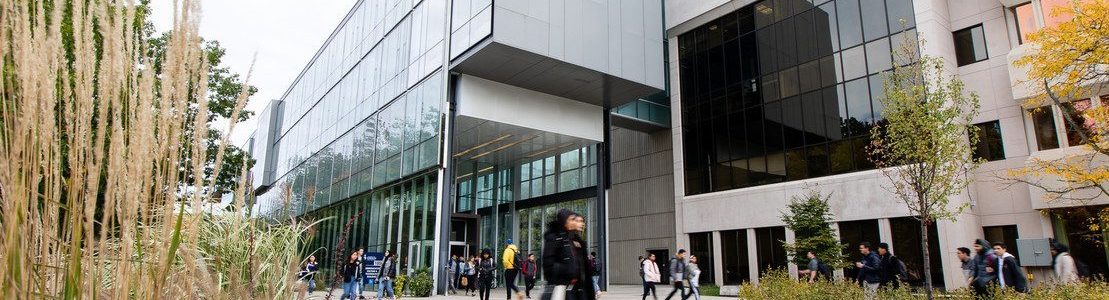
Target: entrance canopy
[[502, 125]]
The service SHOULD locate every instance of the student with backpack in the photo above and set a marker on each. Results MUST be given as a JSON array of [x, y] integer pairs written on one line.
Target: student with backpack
[[893, 269], [511, 261], [596, 267], [528, 269], [816, 269]]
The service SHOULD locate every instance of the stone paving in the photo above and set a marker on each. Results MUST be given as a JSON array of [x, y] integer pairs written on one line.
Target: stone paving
[[615, 292]]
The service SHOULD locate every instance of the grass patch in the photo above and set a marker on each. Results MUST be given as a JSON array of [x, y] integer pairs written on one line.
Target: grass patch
[[710, 290]]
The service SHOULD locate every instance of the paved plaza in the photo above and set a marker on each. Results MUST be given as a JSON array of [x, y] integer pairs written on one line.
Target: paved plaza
[[615, 292]]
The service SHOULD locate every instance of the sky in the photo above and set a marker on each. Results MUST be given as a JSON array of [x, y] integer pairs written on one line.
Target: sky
[[280, 36]]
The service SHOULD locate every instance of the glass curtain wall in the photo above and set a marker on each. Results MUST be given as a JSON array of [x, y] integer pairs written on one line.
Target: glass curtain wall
[[366, 110], [399, 218], [483, 193], [784, 90]]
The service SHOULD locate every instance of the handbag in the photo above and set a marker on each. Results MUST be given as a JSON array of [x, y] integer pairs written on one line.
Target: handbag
[[465, 281]]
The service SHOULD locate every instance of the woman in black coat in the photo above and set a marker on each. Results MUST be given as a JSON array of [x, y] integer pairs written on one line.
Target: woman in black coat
[[564, 259]]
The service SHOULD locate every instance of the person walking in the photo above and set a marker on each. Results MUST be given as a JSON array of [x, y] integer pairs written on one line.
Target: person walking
[[358, 274], [528, 269], [1009, 272], [385, 277], [963, 253], [310, 269], [1066, 270], [984, 272], [452, 270], [816, 269], [870, 268], [350, 275], [893, 269], [677, 274], [470, 282], [485, 272], [596, 267], [510, 260], [694, 275], [564, 260], [651, 276]]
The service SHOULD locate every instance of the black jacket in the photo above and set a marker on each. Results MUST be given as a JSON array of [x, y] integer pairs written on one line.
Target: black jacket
[[1013, 274], [892, 269], [982, 260], [871, 272], [350, 271], [563, 262]]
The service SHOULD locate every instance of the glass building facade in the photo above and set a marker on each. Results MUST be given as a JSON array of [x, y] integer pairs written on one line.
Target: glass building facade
[[360, 133], [784, 90]]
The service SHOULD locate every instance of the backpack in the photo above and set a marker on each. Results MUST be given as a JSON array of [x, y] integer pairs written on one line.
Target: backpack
[[824, 270], [516, 261]]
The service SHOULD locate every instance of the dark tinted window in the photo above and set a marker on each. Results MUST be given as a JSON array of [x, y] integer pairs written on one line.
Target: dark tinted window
[[1043, 122], [989, 145], [700, 245], [970, 45], [764, 97], [733, 248]]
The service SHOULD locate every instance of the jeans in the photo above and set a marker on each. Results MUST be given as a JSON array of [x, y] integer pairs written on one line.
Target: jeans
[[694, 290], [358, 287], [385, 287], [870, 290], [510, 282], [348, 290], [596, 283], [451, 282], [311, 285], [679, 287]]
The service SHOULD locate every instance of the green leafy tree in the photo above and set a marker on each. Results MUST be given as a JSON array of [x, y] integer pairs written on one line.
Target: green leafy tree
[[223, 89], [922, 147], [810, 220]]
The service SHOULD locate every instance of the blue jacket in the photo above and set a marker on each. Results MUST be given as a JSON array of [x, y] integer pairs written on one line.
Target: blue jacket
[[871, 272]]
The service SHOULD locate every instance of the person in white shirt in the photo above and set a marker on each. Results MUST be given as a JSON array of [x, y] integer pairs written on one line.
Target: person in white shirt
[[1065, 269], [651, 276]]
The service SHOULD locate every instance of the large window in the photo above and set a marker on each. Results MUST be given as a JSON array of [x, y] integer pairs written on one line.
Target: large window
[[770, 248], [905, 233], [785, 90], [1026, 20], [1079, 132], [1037, 14], [970, 45], [1043, 123], [733, 248], [989, 145], [700, 245]]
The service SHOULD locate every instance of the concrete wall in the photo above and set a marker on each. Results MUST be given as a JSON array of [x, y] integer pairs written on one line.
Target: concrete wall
[[861, 195], [619, 38], [641, 208]]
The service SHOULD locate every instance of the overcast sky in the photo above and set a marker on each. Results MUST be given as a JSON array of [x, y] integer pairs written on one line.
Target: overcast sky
[[284, 34]]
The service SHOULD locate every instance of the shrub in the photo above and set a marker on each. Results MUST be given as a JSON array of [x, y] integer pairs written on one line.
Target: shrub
[[399, 284], [777, 284], [420, 284]]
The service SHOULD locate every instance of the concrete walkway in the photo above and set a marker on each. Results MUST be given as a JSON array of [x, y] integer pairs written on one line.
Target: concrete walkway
[[615, 292]]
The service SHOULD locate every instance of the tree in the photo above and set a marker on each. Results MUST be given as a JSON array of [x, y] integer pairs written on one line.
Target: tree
[[1068, 62], [810, 220], [922, 147]]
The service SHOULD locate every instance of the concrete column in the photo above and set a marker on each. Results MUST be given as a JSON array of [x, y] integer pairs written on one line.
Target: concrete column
[[885, 234], [791, 237], [752, 256], [838, 272], [718, 259]]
